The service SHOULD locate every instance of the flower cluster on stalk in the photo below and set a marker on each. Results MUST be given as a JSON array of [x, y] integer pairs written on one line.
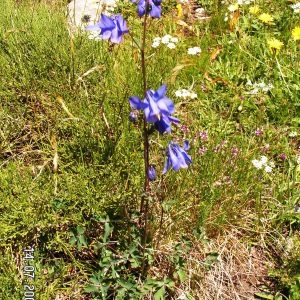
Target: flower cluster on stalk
[[157, 107]]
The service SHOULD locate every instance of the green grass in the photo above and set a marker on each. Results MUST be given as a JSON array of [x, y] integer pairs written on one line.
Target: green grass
[[51, 107]]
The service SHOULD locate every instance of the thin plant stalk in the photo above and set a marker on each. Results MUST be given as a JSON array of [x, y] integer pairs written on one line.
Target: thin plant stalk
[[144, 208]]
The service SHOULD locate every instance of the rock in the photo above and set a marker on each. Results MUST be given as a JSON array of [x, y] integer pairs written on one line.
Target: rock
[[81, 13]]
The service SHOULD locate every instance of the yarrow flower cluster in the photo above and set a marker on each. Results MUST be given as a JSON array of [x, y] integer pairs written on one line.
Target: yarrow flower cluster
[[194, 50], [296, 7], [293, 134], [263, 163], [184, 93], [259, 87], [168, 40], [233, 7], [110, 28], [244, 2]]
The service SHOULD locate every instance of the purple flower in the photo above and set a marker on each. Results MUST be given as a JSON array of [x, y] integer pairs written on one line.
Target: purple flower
[[157, 108], [111, 28], [202, 150], [151, 173], [133, 116], [235, 151], [154, 8], [203, 135], [259, 132], [282, 156], [177, 157]]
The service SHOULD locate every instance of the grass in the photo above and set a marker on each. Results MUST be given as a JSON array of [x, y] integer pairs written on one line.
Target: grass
[[69, 155]]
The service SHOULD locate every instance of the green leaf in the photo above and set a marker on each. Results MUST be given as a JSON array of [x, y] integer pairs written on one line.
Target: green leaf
[[91, 289], [181, 274], [160, 294], [126, 284], [263, 296]]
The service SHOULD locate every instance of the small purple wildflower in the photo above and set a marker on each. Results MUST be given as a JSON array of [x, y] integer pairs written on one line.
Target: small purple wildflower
[[203, 135], [282, 156], [202, 150], [151, 173], [259, 132], [235, 151], [184, 128]]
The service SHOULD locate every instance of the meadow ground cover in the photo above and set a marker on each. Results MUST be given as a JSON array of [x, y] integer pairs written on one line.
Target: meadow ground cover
[[71, 154]]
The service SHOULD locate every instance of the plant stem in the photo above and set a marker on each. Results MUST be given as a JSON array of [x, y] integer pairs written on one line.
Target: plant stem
[[145, 126], [282, 76], [144, 208]]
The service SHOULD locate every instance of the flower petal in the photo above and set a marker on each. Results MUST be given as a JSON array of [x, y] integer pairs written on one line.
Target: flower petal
[[106, 23], [136, 103], [160, 93], [121, 23], [155, 11]]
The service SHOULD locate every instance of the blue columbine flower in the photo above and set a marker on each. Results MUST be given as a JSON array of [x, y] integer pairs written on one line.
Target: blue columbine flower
[[154, 8], [157, 108], [111, 28], [151, 173], [177, 157]]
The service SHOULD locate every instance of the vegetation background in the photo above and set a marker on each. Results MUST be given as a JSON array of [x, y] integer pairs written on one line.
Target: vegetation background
[[71, 162]]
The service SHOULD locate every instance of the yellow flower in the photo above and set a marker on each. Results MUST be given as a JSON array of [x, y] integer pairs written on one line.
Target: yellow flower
[[179, 10], [296, 33], [275, 45], [233, 7], [254, 10], [266, 18]]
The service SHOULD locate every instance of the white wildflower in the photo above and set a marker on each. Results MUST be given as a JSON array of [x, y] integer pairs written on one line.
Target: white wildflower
[[166, 39], [259, 87], [155, 44], [244, 2], [268, 169], [184, 93], [233, 7], [171, 45], [194, 50], [174, 39], [193, 95], [293, 134], [263, 159], [178, 93], [271, 164], [263, 163], [296, 7], [257, 163]]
